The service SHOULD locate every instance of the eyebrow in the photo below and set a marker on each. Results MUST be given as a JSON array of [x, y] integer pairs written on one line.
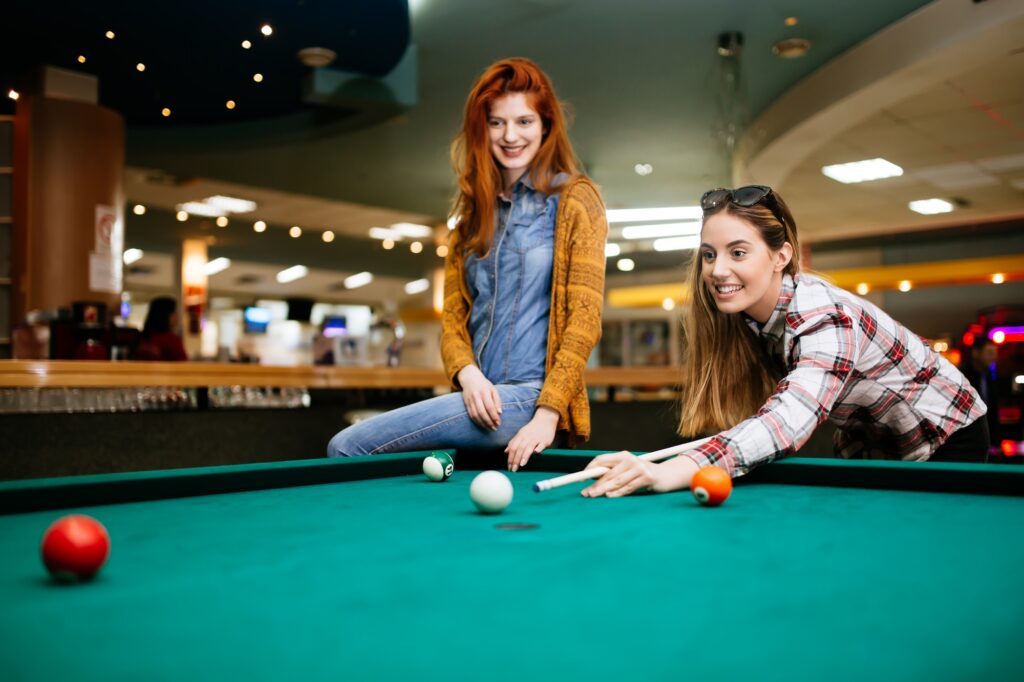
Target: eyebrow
[[728, 246]]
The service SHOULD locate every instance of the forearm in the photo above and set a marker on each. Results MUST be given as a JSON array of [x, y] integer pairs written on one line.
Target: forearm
[[674, 474]]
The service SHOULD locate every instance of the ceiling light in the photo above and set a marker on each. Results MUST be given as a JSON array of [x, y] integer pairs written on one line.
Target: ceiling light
[[201, 208], [906, 285], [863, 288], [998, 278], [388, 244], [663, 230], [643, 169], [384, 233], [327, 236], [644, 215], [231, 204], [293, 273], [81, 59], [317, 57], [246, 44], [230, 104], [258, 77], [295, 232], [140, 67], [357, 280], [791, 21], [416, 247], [182, 216], [139, 209], [791, 48], [862, 171], [677, 243], [266, 29], [668, 303], [165, 112], [442, 251], [611, 250], [110, 35], [930, 206], [13, 94], [259, 226], [412, 230], [217, 265], [625, 264], [222, 221], [132, 255], [417, 286]]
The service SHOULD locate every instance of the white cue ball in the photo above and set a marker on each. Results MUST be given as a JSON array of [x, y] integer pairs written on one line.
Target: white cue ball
[[491, 491]]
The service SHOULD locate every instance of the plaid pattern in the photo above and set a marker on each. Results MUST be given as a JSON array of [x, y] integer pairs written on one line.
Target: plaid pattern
[[846, 361]]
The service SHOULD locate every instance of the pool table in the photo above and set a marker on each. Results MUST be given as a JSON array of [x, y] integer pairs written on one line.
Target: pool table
[[363, 570]]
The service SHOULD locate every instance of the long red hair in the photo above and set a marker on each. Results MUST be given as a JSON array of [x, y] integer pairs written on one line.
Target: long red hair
[[479, 174]]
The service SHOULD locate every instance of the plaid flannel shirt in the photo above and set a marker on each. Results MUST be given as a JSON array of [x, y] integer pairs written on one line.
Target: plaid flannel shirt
[[845, 361]]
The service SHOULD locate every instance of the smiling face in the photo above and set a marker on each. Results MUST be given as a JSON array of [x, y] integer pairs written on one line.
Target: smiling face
[[739, 269], [515, 132]]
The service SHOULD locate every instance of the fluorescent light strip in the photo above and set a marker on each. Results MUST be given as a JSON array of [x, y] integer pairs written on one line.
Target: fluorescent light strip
[[357, 280], [647, 215], [664, 230], [862, 171], [384, 233], [677, 243], [231, 204], [412, 230], [293, 273], [217, 265], [930, 206], [417, 286]]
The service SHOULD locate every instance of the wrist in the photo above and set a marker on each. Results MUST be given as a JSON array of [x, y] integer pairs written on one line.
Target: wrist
[[547, 415], [675, 474]]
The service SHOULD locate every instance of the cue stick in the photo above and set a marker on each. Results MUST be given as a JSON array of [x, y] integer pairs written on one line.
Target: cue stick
[[596, 472]]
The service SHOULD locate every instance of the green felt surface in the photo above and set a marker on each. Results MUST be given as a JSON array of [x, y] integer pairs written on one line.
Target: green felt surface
[[400, 579]]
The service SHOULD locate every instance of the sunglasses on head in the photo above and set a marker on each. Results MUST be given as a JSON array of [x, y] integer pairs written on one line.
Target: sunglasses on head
[[741, 196]]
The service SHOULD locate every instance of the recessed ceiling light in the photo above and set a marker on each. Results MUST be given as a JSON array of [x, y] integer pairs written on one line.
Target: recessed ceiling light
[[327, 236], [110, 35], [647, 215], [862, 171], [930, 206], [267, 30], [791, 21], [612, 250], [998, 278], [140, 67], [643, 169], [230, 104], [139, 209], [13, 94], [295, 232], [388, 244], [291, 274], [132, 255], [662, 230], [417, 286], [360, 279], [906, 285], [677, 243], [182, 216], [791, 48], [258, 77], [81, 59], [416, 247], [259, 226], [217, 265], [668, 303], [625, 264], [246, 44], [442, 251], [165, 112], [863, 288], [222, 221]]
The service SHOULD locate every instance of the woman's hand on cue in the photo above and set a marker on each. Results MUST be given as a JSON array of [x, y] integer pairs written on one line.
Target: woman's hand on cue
[[481, 398], [626, 475], [537, 434]]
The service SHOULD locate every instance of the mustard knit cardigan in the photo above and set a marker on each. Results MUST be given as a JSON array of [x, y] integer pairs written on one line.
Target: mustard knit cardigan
[[577, 297]]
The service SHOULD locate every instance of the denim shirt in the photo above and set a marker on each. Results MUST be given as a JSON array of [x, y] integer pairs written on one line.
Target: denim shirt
[[511, 288]]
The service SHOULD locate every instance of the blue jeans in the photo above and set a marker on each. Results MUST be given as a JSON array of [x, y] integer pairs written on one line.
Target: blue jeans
[[440, 422]]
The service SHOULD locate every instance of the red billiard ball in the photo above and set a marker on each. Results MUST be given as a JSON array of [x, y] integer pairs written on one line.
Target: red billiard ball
[[711, 486], [75, 547]]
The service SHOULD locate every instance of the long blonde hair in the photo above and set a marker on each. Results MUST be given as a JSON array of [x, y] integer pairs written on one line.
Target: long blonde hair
[[727, 376], [478, 172]]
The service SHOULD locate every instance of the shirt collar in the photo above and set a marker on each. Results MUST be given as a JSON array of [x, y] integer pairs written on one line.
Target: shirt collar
[[775, 327]]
